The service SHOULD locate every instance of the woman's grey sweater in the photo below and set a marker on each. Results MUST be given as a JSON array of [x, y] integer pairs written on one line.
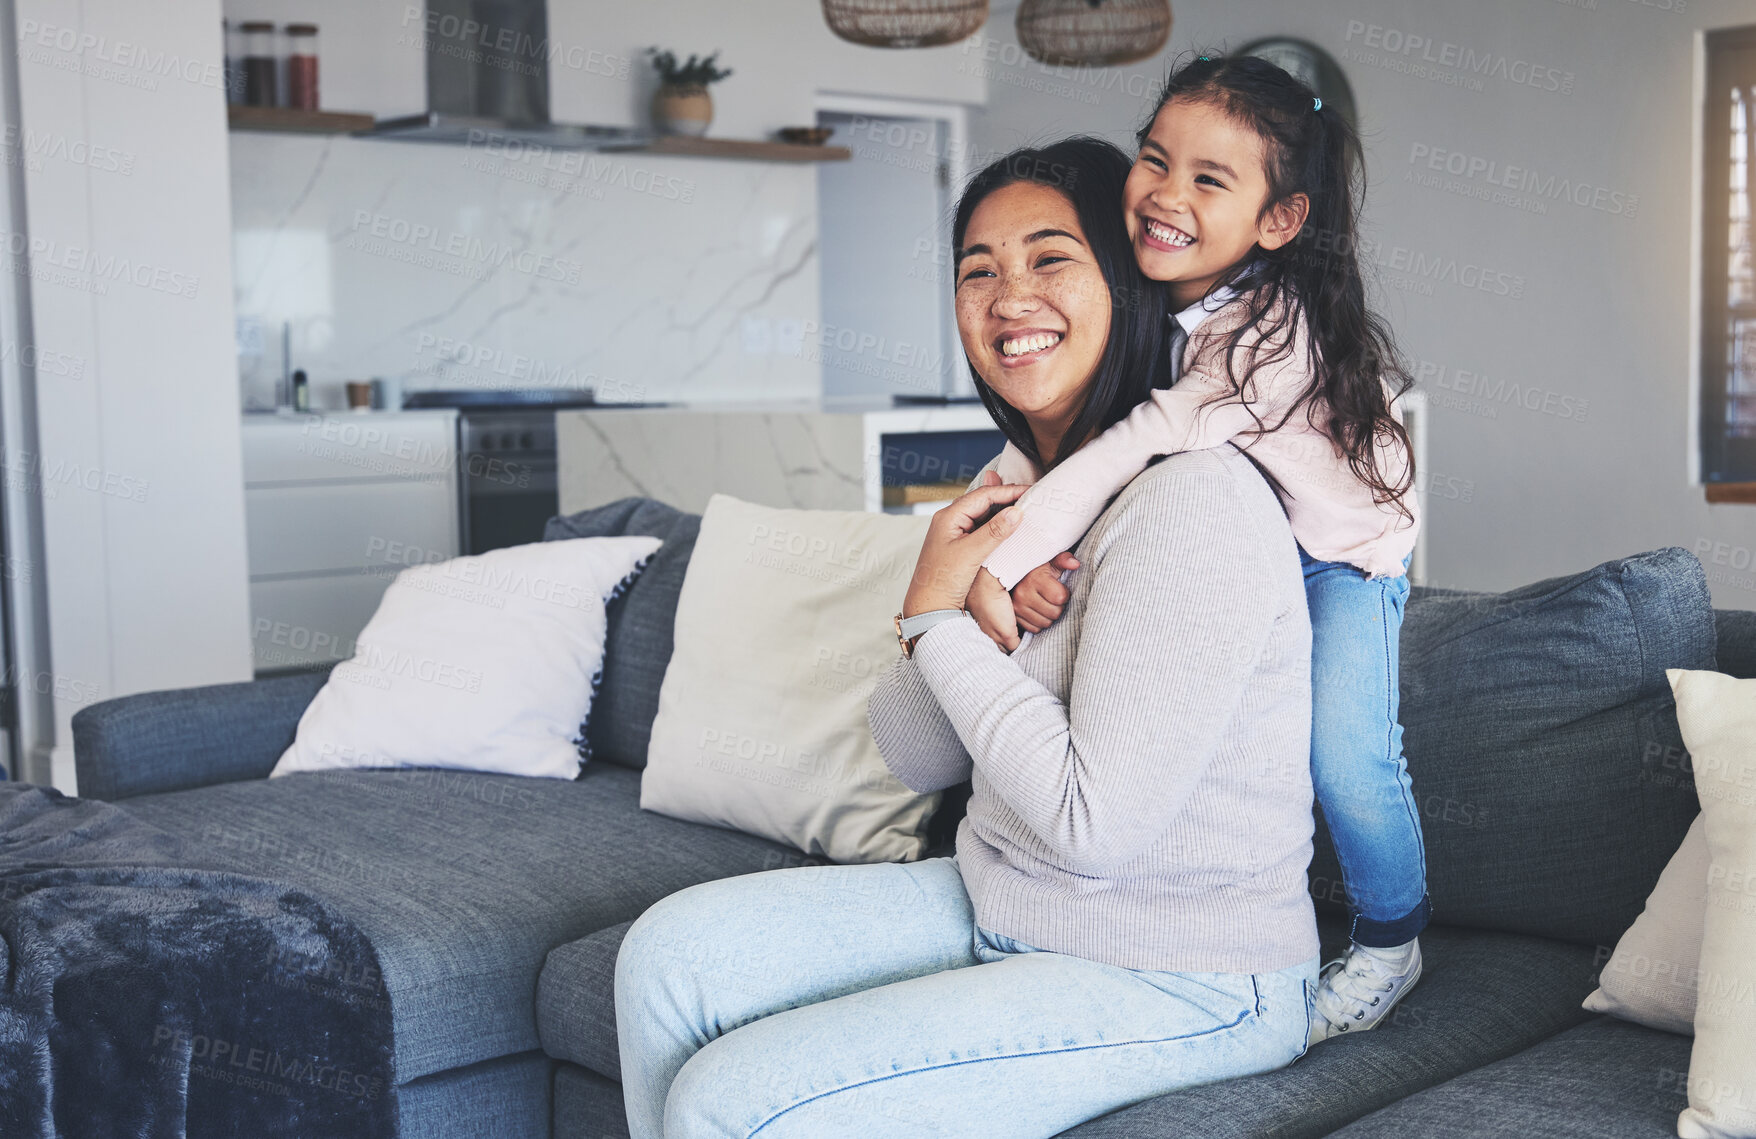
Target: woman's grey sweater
[[1141, 769]]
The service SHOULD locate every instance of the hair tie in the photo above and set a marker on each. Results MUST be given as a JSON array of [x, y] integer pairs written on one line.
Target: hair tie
[[1316, 104]]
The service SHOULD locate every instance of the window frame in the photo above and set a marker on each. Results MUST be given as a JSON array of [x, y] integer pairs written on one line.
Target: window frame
[[1728, 466]]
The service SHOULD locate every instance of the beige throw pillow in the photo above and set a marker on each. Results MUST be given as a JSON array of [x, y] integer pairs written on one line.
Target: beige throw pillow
[[783, 626], [1650, 978], [1718, 717]]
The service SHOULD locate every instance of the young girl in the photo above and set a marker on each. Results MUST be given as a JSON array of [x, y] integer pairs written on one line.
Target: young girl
[[1244, 199]]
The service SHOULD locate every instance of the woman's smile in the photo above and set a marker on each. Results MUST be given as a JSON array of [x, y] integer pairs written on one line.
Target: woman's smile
[[1019, 348]]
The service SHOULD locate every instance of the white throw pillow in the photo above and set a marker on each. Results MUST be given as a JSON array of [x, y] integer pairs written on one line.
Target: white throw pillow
[[1718, 718], [1650, 978], [783, 626], [484, 663]]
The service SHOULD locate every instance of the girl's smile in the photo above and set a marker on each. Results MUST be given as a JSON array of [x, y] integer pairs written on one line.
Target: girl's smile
[[1164, 236]]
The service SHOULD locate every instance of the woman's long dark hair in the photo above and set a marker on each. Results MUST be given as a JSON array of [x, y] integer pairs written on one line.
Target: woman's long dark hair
[[1356, 371], [1089, 173]]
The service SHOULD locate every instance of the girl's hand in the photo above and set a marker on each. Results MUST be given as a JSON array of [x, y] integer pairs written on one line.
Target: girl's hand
[[959, 539], [1039, 597], [991, 606]]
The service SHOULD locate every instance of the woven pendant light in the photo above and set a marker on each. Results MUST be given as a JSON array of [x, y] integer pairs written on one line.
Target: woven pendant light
[[1093, 33], [905, 23]]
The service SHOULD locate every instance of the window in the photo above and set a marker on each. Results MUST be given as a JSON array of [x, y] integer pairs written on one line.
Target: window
[[1728, 292]]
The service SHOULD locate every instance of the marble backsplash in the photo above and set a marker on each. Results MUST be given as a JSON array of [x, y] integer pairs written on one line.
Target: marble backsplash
[[488, 265]]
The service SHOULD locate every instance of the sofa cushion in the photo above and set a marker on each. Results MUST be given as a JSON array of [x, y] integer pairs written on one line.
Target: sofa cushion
[[1543, 743], [1605, 1079], [480, 663], [576, 1001], [463, 881], [587, 1105], [507, 1098], [1651, 978], [1718, 714], [1737, 642], [639, 644], [1483, 996], [782, 630]]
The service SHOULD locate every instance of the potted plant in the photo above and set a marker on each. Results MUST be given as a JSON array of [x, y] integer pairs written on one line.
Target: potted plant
[[682, 104]]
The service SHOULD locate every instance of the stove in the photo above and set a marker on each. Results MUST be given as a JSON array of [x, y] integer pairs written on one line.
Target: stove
[[503, 399]]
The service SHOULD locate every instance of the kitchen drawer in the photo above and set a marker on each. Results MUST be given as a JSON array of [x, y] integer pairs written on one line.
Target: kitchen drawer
[[311, 620], [306, 529], [351, 447]]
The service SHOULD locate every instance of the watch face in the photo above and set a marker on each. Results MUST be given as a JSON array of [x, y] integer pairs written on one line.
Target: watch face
[[1312, 66]]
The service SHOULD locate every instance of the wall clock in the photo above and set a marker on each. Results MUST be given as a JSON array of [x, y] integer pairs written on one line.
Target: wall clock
[[1311, 65]]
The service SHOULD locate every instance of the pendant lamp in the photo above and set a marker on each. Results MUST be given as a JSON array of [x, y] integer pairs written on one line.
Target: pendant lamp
[[904, 23], [1093, 33]]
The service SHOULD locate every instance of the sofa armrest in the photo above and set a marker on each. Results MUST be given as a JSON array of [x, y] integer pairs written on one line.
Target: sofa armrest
[[188, 737]]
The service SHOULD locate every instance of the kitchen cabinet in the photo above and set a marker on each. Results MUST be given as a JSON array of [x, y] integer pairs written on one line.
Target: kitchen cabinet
[[335, 505]]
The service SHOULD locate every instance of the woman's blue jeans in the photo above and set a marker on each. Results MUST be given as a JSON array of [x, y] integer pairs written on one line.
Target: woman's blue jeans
[[1357, 766], [826, 1001]]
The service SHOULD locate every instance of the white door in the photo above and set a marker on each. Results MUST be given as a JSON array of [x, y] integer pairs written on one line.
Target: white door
[[885, 217]]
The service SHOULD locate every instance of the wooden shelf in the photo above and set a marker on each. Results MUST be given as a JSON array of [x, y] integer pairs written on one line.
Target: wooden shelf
[[295, 121], [750, 150], [1744, 492]]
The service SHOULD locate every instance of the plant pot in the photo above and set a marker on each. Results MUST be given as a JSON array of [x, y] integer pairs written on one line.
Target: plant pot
[[682, 110]]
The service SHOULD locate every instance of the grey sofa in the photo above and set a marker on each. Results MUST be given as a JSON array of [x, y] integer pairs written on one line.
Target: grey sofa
[[1539, 730]]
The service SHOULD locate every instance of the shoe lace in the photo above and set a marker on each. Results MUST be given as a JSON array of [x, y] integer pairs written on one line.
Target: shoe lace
[[1355, 984]]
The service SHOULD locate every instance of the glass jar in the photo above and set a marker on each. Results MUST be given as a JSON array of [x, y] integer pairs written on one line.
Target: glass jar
[[301, 66], [260, 79]]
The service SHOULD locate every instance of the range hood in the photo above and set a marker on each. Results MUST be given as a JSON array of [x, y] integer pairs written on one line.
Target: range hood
[[488, 77]]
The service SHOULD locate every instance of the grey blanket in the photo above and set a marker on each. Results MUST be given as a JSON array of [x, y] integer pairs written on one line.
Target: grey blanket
[[148, 995]]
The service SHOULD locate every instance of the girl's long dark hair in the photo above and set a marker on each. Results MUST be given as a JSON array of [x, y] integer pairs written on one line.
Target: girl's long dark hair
[[1089, 173], [1356, 372]]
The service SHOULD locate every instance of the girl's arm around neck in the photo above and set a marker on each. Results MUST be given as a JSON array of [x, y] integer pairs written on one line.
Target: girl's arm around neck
[[1198, 413]]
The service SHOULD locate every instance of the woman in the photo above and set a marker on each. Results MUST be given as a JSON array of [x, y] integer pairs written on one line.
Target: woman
[[1126, 912]]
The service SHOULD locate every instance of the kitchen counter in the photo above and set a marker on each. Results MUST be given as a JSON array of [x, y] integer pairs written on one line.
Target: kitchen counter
[[831, 455]]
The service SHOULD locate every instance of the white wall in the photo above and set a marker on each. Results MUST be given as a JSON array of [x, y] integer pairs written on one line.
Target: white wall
[[1603, 323], [780, 52], [130, 248]]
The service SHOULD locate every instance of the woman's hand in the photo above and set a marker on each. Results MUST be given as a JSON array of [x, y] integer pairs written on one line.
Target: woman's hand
[[958, 541]]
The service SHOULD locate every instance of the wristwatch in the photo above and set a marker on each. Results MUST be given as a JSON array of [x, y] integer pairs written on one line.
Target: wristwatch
[[909, 629]]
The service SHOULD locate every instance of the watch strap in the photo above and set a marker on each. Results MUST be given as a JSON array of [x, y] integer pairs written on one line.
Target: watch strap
[[911, 627]]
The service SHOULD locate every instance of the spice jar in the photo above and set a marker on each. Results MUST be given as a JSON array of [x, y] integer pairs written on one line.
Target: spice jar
[[301, 66], [259, 70]]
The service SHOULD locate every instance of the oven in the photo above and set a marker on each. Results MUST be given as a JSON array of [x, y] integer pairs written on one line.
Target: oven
[[507, 477], [507, 461]]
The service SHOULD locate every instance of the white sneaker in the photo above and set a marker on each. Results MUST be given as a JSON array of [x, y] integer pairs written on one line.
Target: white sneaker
[[1356, 992]]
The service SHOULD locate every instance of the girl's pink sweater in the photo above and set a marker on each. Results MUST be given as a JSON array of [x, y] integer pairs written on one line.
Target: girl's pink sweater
[[1331, 511]]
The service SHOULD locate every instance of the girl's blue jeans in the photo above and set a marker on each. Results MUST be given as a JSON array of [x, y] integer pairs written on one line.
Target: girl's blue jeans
[[832, 1001], [1357, 766]]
